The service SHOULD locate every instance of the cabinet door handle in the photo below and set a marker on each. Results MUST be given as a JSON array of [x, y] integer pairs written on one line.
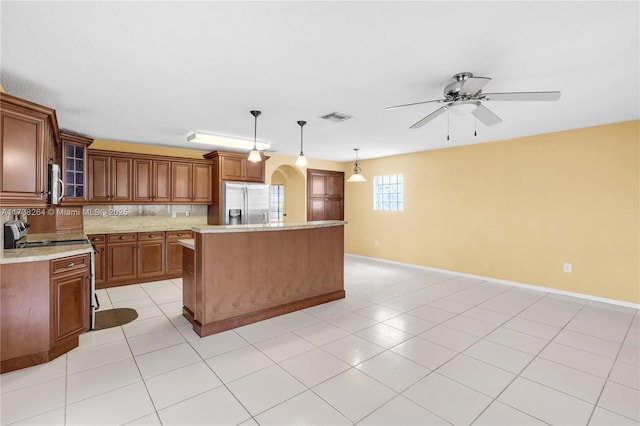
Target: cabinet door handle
[[151, 235], [179, 234], [121, 237], [70, 265]]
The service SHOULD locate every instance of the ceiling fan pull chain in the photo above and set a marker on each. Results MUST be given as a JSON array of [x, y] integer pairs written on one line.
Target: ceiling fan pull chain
[[475, 124], [447, 123]]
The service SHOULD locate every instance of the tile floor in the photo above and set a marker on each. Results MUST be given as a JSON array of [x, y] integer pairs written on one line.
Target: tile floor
[[406, 347]]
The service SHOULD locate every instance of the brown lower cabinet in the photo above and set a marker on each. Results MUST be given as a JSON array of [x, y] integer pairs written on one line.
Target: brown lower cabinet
[[175, 251], [151, 254], [44, 308], [122, 252], [128, 258]]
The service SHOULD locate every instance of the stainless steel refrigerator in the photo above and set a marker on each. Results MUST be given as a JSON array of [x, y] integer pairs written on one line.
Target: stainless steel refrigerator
[[245, 203]]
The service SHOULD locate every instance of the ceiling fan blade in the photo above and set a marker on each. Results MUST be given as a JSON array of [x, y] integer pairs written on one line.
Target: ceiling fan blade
[[485, 115], [473, 85], [414, 103], [429, 117], [522, 96]]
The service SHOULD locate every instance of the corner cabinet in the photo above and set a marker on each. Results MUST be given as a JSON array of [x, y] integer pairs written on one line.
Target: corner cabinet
[[44, 308], [29, 140]]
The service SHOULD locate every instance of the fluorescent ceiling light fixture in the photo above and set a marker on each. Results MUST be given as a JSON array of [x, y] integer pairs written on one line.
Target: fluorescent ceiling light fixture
[[226, 141]]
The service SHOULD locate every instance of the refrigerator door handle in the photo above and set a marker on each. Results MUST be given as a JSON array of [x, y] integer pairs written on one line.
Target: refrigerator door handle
[[247, 206]]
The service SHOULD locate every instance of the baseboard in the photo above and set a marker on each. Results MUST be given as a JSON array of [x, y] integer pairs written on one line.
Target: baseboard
[[507, 282], [237, 321]]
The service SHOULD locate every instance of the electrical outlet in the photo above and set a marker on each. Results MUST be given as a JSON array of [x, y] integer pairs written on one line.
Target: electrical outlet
[[173, 214], [187, 213], [566, 267]]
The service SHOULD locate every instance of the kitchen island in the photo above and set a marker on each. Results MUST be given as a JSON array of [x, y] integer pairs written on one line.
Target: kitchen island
[[239, 274]]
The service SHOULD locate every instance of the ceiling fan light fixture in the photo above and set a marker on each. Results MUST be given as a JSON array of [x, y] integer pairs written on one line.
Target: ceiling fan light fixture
[[301, 161], [357, 171], [464, 107], [254, 155]]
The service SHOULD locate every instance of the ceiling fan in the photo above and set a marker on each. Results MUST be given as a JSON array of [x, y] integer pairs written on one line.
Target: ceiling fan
[[464, 94]]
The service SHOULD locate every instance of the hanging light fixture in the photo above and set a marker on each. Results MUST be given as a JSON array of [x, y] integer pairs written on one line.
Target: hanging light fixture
[[254, 155], [302, 160], [356, 176]]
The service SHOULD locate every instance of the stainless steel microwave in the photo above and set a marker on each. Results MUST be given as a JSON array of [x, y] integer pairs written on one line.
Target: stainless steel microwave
[[55, 192]]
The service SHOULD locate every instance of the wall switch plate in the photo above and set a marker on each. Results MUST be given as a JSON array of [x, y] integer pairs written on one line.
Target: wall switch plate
[[376, 242], [173, 214], [566, 267]]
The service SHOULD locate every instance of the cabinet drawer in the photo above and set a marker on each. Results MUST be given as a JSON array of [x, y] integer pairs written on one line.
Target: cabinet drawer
[[150, 236], [96, 238], [179, 235], [120, 238], [67, 264]]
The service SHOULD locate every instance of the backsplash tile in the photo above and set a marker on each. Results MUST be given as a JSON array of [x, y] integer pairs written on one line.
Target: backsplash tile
[[104, 217]]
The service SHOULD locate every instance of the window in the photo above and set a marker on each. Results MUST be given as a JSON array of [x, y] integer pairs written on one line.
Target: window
[[276, 203], [387, 193]]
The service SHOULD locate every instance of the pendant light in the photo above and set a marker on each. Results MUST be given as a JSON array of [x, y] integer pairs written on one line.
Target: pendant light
[[254, 155], [356, 176], [302, 160]]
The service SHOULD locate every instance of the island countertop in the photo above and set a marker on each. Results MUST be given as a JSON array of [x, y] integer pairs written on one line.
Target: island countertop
[[260, 227]]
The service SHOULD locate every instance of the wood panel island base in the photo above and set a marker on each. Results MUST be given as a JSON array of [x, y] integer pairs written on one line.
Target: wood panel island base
[[240, 274]]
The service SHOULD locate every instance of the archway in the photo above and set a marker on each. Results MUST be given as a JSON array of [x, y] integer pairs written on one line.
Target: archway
[[294, 183]]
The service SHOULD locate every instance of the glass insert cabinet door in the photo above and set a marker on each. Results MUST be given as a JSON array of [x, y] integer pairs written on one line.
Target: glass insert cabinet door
[[74, 171], [74, 167]]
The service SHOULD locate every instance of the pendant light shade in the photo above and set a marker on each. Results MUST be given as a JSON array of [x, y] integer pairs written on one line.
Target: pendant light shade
[[356, 176], [302, 160], [254, 155]]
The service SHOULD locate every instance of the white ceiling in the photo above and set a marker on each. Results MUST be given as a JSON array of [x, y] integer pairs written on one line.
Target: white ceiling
[[154, 72]]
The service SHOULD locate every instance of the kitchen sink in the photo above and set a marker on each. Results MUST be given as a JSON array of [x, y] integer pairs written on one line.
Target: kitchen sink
[[51, 243]]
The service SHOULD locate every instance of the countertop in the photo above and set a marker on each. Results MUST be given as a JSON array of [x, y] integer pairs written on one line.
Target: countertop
[[35, 254], [218, 229], [139, 228], [189, 243]]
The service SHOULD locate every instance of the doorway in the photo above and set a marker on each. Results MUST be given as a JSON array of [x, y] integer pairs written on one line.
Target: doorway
[[292, 187]]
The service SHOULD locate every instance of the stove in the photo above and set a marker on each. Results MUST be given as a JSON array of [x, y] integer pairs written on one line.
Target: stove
[[14, 231]]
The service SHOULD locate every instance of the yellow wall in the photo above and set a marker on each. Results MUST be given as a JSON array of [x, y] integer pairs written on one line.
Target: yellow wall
[[138, 148], [515, 210]]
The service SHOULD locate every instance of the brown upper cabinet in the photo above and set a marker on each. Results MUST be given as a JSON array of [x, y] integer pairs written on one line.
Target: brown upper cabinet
[[152, 180], [235, 166], [74, 168], [29, 140], [182, 183], [109, 179], [148, 178]]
